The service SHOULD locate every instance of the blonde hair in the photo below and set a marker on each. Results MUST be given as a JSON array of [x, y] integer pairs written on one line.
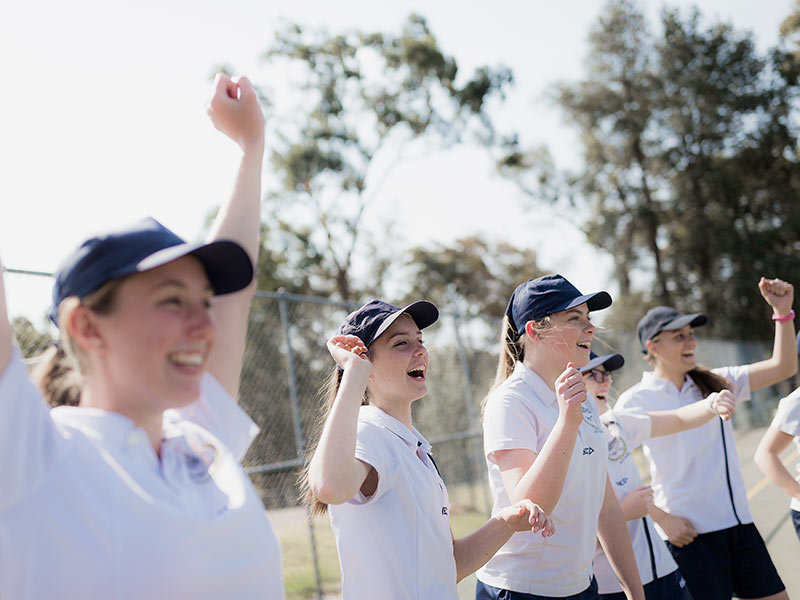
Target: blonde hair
[[60, 372], [512, 350]]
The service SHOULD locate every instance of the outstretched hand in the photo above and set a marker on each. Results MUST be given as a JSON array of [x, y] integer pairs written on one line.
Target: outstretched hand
[[570, 393], [527, 516], [234, 110], [778, 293], [723, 403], [349, 352]]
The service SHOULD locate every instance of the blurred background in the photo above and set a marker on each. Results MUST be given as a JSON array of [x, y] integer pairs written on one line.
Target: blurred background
[[419, 150]]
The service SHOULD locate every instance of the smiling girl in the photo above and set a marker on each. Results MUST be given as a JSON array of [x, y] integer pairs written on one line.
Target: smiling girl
[[375, 474], [135, 489], [543, 442], [700, 496], [625, 431]]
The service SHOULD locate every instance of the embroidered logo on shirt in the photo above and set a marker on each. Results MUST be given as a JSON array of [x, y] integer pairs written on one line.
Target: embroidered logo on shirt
[[588, 450], [622, 481], [589, 419], [444, 510], [617, 449]]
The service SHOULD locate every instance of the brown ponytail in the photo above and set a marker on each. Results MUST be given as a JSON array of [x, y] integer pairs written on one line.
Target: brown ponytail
[[58, 378], [709, 382], [60, 373]]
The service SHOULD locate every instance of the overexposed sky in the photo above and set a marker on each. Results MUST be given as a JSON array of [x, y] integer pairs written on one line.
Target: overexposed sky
[[102, 116]]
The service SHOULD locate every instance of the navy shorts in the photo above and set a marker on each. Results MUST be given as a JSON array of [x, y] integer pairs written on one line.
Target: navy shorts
[[796, 521], [668, 587], [733, 561], [488, 592]]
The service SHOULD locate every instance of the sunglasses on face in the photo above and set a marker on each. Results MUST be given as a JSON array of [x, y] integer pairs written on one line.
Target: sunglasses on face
[[600, 376]]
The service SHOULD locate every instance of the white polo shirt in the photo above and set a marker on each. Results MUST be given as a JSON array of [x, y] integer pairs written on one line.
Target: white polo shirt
[[787, 419], [625, 431], [88, 511], [396, 544], [688, 469], [521, 413]]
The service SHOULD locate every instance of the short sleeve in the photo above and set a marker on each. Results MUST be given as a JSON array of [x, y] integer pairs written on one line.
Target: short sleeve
[[508, 424], [632, 401], [740, 380], [28, 437], [787, 419], [372, 447], [217, 412], [635, 427]]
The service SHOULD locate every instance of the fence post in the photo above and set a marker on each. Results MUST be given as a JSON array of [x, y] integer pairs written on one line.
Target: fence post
[[298, 427], [471, 443]]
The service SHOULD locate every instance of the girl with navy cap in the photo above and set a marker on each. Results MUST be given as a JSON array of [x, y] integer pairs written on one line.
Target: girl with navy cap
[[784, 429], [543, 441], [700, 498], [136, 490], [624, 432], [374, 472]]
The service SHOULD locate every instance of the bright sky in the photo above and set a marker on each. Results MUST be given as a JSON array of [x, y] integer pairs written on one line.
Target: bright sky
[[103, 118]]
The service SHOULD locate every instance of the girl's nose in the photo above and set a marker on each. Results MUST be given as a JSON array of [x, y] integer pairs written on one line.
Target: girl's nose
[[201, 322]]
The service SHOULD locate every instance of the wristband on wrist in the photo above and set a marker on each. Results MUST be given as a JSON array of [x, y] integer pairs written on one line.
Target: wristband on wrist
[[784, 318]]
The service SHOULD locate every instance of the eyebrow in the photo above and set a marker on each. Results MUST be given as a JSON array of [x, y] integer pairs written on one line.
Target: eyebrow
[[394, 335], [176, 283], [576, 310]]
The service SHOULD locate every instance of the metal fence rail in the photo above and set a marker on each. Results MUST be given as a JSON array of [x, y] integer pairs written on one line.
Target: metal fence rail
[[286, 364]]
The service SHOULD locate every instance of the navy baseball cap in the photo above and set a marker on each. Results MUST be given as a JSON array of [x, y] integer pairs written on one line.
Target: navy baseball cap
[[142, 246], [664, 318], [372, 319], [546, 295], [611, 362]]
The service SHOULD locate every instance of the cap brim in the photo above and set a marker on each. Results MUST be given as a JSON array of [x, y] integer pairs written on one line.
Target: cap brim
[[595, 301], [423, 312], [227, 265], [611, 362], [695, 320]]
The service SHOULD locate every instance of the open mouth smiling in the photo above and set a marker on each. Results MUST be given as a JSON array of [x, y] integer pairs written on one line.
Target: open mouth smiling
[[417, 373], [186, 359]]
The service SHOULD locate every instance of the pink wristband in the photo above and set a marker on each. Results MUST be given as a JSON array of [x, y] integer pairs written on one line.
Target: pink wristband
[[784, 318]]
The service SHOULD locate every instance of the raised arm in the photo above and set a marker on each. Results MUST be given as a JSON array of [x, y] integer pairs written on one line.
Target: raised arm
[[666, 422], [335, 474], [783, 362], [768, 459], [6, 337], [540, 478], [616, 543], [235, 111]]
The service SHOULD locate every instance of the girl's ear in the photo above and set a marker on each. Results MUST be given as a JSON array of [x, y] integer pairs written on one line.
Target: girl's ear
[[83, 327], [531, 330], [649, 346]]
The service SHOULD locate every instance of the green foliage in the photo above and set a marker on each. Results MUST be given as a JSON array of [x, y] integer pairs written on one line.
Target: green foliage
[[473, 274], [690, 164], [364, 95]]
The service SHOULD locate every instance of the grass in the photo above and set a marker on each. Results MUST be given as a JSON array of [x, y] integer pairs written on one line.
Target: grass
[[291, 527]]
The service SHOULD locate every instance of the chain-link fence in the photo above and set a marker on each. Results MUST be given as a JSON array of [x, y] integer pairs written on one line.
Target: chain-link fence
[[286, 364]]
